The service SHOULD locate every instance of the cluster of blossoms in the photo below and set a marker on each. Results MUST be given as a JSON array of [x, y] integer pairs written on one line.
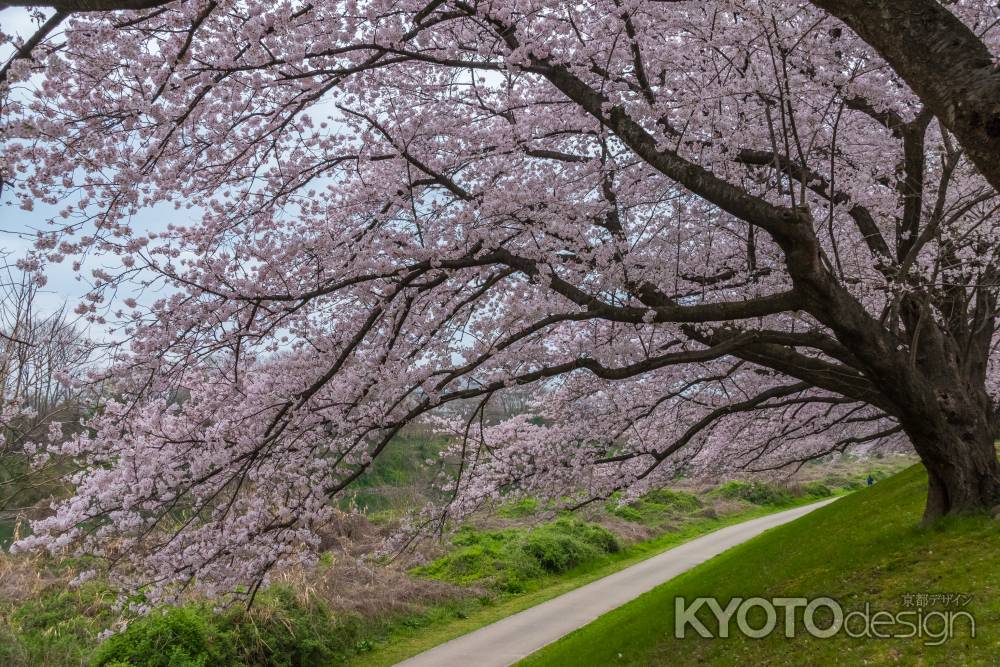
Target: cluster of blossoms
[[711, 234]]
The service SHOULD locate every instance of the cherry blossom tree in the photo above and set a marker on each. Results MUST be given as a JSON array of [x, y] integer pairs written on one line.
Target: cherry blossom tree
[[720, 233]]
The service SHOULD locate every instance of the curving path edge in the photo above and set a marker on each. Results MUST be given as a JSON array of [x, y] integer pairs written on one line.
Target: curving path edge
[[505, 642]]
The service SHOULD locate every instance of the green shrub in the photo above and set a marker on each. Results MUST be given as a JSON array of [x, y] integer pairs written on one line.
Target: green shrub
[[678, 500], [818, 489], [177, 637], [478, 555], [628, 512], [555, 552], [842, 482], [565, 544], [597, 536], [280, 630], [758, 493], [519, 508], [512, 559], [656, 507]]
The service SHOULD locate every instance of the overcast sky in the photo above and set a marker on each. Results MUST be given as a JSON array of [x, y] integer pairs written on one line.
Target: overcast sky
[[17, 227]]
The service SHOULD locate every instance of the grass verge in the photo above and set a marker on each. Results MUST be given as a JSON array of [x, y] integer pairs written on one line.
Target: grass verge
[[866, 548]]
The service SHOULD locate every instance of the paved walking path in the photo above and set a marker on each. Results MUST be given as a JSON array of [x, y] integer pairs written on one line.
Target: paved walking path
[[511, 639]]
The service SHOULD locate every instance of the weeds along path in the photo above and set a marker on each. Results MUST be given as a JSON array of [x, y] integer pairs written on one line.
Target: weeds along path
[[505, 642]]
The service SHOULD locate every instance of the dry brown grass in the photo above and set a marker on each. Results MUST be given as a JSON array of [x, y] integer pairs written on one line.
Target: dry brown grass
[[353, 586], [349, 582], [27, 576], [627, 531]]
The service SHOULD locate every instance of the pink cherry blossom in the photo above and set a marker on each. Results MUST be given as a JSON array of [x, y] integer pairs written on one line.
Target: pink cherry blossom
[[707, 235]]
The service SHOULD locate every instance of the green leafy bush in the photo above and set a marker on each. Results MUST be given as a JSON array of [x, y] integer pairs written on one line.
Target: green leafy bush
[[177, 637], [818, 489], [511, 559], [281, 630], [519, 508], [758, 493], [678, 500], [565, 544], [628, 512], [656, 507]]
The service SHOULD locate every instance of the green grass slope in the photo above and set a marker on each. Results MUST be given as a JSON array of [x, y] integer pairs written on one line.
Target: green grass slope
[[864, 548]]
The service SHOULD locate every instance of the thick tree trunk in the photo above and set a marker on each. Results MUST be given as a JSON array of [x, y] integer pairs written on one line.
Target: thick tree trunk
[[963, 472], [996, 422]]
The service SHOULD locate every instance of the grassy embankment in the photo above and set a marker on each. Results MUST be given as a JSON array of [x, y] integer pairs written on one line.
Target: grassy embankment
[[865, 548]]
